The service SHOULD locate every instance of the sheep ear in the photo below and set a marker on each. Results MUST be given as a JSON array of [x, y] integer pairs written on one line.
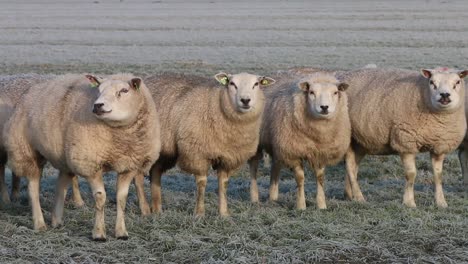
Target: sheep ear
[[222, 78], [304, 86], [93, 80], [426, 73], [343, 87], [135, 83], [265, 81], [463, 74]]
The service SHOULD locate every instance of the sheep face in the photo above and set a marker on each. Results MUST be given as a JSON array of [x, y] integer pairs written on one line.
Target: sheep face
[[118, 102], [323, 98], [446, 89], [244, 89]]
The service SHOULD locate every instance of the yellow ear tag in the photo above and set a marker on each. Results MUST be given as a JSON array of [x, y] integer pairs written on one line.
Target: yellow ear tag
[[94, 85], [224, 80], [264, 82]]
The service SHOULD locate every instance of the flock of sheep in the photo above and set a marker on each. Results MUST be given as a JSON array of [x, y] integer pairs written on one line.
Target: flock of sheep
[[86, 125]]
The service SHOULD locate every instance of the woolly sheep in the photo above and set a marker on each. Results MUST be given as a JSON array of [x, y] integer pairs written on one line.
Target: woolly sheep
[[463, 153], [405, 113], [85, 131], [303, 120], [12, 88], [206, 126]]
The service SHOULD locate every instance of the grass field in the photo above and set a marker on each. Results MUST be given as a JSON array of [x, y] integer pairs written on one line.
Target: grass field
[[203, 37]]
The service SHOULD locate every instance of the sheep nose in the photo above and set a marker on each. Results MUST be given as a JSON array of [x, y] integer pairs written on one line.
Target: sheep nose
[[245, 101], [445, 95], [97, 107], [324, 107]]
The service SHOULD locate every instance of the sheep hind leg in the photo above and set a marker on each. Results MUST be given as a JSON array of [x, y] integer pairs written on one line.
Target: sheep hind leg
[[156, 197], [353, 158], [274, 179], [99, 194], [123, 183], [300, 193], [3, 186], [463, 157], [34, 190], [437, 166], [63, 182], [409, 164], [201, 187], [77, 199], [140, 189], [15, 187], [253, 165]]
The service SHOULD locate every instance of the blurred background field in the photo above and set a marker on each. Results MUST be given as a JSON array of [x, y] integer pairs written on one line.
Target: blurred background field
[[204, 37]]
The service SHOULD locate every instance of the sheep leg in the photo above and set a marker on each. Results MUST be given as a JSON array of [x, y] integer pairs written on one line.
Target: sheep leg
[[123, 183], [352, 189], [3, 186], [409, 164], [99, 194], [437, 165], [201, 186], [463, 157], [253, 164], [274, 179], [300, 196], [321, 200], [223, 179], [140, 189], [63, 182], [33, 190], [156, 197], [77, 200], [15, 187]]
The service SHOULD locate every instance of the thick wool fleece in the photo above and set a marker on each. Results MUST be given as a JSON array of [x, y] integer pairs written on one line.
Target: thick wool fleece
[[290, 133], [389, 114]]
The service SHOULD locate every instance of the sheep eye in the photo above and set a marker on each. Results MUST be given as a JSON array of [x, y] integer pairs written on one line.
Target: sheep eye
[[256, 84], [432, 83], [124, 90], [312, 92], [336, 93], [233, 84]]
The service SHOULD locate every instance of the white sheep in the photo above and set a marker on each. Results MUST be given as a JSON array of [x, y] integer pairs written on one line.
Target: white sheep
[[304, 120], [205, 125], [405, 113], [85, 131], [12, 88]]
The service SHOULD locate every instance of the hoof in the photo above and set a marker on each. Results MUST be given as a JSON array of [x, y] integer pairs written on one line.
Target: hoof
[[122, 237], [442, 205], [99, 239], [410, 204], [56, 224], [40, 227], [79, 204]]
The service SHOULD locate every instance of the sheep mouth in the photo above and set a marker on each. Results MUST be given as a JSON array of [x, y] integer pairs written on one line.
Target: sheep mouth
[[245, 107], [444, 101], [101, 112], [324, 112]]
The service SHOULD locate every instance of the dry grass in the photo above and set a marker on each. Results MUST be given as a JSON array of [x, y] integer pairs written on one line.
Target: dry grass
[[381, 230]]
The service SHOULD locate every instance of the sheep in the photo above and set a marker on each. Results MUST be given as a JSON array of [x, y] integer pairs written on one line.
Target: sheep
[[303, 120], [206, 126], [12, 88], [463, 154], [403, 112], [84, 131]]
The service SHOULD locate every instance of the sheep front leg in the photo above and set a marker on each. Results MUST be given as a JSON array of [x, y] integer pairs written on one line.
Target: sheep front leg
[[274, 179], [156, 197], [77, 199], [437, 165], [33, 190], [463, 157], [223, 180], [201, 186], [300, 195], [99, 194], [140, 189], [3, 186], [353, 158], [15, 187], [123, 183], [409, 164], [253, 164], [63, 182], [321, 200]]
